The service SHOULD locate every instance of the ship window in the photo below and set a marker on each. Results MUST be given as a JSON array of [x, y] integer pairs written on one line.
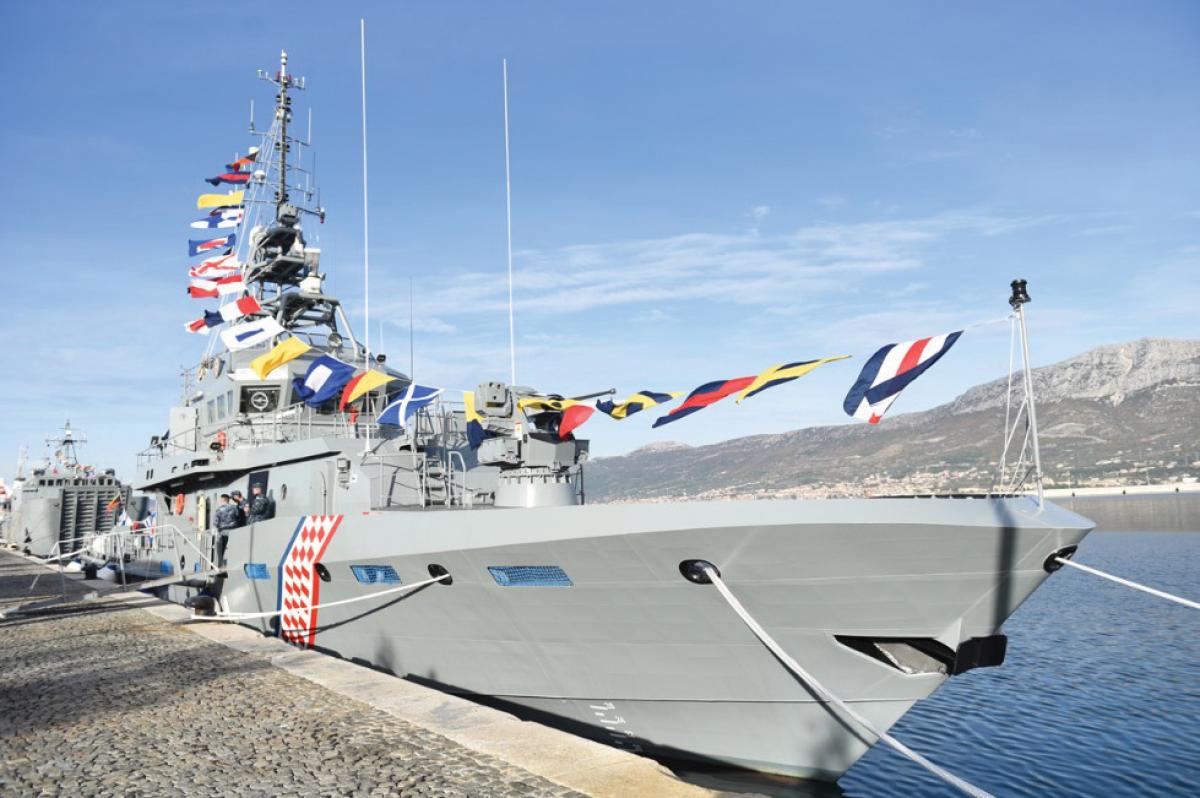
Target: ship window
[[221, 406], [530, 576], [229, 401], [256, 570], [211, 415], [376, 574]]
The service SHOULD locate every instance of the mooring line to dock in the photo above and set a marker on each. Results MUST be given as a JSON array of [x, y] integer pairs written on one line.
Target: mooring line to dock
[[249, 616], [806, 677], [1127, 583]]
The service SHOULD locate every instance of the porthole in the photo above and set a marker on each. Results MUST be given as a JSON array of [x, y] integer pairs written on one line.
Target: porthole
[[322, 572]]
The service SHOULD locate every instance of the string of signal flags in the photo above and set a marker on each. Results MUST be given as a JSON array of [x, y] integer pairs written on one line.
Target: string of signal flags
[[886, 373]]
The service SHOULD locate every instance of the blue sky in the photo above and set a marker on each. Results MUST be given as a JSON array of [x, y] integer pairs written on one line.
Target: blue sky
[[700, 190]]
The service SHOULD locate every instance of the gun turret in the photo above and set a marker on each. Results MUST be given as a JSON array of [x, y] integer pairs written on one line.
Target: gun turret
[[537, 468]]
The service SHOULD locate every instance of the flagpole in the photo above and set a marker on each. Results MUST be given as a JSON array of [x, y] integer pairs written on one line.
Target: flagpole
[[1020, 296], [512, 339]]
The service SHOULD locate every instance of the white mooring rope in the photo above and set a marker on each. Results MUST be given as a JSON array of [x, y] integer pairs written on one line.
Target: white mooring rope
[[1097, 572], [247, 616], [817, 687]]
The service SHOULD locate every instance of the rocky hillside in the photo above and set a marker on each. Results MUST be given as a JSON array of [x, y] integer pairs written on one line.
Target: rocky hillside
[[1114, 415]]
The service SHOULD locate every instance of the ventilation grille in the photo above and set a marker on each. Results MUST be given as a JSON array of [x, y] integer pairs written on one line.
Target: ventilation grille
[[530, 576], [256, 570], [376, 574]]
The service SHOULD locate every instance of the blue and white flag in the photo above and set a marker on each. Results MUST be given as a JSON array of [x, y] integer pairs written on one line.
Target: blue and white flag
[[221, 218], [198, 247], [244, 336], [324, 380], [400, 411], [889, 371]]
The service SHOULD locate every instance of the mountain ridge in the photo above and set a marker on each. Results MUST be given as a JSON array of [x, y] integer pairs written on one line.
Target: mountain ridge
[[1100, 414]]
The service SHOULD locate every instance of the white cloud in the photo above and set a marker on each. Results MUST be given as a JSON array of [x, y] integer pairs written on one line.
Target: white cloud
[[732, 269]]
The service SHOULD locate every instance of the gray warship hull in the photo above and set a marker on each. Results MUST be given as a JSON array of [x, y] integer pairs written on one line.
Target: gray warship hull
[[633, 654]]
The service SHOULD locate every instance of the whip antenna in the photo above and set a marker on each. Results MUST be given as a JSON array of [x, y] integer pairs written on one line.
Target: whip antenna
[[362, 55], [512, 338]]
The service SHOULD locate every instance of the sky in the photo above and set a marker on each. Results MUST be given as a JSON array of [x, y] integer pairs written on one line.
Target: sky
[[700, 190]]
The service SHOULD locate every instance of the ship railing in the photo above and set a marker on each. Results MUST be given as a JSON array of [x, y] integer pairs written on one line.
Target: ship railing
[[298, 421], [451, 484], [82, 544], [156, 541], [168, 446]]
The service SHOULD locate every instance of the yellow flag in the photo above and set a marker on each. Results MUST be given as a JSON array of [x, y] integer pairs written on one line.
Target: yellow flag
[[219, 200], [283, 352], [369, 380], [543, 403], [469, 407], [785, 372], [476, 434]]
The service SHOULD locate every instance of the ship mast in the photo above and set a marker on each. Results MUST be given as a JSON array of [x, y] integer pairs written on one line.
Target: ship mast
[[66, 444], [283, 115]]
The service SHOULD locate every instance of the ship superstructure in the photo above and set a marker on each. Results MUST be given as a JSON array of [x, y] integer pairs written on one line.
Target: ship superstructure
[[586, 616]]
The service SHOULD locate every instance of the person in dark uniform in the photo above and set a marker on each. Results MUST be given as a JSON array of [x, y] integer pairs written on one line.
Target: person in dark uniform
[[225, 519], [262, 506], [243, 507]]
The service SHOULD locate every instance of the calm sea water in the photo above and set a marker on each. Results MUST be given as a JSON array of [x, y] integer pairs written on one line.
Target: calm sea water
[[1099, 694]]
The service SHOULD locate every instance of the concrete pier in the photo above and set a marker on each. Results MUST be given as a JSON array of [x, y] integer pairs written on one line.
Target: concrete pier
[[122, 696]]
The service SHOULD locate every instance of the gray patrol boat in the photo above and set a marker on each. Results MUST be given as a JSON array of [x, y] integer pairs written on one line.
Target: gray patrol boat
[[63, 504], [596, 618]]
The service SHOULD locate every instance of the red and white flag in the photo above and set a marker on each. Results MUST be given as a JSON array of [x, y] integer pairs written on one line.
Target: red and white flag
[[224, 286], [215, 268], [235, 310]]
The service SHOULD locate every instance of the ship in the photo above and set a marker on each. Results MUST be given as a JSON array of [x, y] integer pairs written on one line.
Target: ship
[[459, 550], [63, 504]]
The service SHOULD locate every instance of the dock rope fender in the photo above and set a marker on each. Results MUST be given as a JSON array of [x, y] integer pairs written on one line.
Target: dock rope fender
[[247, 616], [714, 576]]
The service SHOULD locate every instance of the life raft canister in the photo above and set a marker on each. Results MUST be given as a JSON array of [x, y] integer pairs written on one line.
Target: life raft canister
[[179, 498], [222, 440]]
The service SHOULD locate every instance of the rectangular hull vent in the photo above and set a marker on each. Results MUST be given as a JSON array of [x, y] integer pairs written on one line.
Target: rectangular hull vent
[[256, 570], [376, 574], [530, 576]]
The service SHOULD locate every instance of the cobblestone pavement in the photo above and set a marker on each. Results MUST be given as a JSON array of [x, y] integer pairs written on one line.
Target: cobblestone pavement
[[98, 699]]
